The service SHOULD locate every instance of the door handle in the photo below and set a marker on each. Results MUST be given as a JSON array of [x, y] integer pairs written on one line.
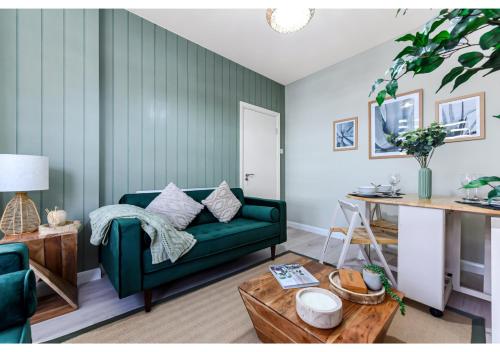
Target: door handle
[[247, 175]]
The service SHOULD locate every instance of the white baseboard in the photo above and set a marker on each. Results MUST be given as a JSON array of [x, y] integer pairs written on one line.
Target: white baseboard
[[313, 229], [88, 275], [472, 267]]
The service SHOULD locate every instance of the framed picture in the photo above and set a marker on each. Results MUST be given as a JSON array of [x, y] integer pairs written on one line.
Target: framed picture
[[345, 134], [394, 116], [463, 117]]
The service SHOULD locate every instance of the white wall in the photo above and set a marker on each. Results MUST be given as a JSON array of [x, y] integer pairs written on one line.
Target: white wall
[[316, 176]]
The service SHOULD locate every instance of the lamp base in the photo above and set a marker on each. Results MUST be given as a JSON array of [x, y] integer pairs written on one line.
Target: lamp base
[[20, 215]]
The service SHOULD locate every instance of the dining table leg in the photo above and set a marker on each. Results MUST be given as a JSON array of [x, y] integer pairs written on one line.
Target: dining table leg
[[495, 279]]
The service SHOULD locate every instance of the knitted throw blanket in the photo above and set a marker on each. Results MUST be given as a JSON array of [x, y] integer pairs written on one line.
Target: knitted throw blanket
[[166, 241]]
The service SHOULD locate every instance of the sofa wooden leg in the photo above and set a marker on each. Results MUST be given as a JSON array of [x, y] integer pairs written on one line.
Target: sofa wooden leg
[[148, 295], [273, 252]]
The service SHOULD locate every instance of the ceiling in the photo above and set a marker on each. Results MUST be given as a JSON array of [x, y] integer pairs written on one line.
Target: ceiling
[[243, 35]]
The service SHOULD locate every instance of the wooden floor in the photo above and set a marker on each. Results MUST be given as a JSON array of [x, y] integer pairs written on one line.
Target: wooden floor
[[99, 301]]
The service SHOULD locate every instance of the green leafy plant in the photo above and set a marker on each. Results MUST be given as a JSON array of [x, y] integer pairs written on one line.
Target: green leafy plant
[[387, 285], [420, 143], [441, 37], [486, 181]]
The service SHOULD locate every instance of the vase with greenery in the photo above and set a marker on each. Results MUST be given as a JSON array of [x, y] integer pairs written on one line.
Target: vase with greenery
[[491, 181], [450, 34], [387, 285], [421, 144]]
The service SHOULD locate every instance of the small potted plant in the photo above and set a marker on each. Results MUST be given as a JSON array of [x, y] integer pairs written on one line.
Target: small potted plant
[[372, 269], [421, 144], [494, 193]]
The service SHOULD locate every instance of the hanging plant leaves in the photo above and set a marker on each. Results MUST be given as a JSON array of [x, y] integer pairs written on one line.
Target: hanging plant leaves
[[464, 77], [391, 88], [490, 39], [429, 64], [450, 76], [381, 96], [440, 37], [406, 38], [375, 85], [470, 59], [426, 53]]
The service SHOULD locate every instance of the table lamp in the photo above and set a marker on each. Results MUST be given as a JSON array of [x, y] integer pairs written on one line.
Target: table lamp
[[20, 174]]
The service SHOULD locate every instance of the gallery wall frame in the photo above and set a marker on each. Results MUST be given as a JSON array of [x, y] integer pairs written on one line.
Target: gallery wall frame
[[463, 117], [345, 134], [391, 116]]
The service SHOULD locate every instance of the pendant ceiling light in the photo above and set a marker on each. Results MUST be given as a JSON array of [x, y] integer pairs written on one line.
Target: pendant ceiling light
[[288, 20]]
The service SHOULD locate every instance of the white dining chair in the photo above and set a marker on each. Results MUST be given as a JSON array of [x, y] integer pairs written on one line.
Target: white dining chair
[[360, 236]]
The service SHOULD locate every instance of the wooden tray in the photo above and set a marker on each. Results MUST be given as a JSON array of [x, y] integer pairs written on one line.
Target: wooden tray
[[372, 297], [69, 226]]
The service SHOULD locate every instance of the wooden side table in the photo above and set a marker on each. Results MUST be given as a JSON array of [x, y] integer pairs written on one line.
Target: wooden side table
[[53, 258]]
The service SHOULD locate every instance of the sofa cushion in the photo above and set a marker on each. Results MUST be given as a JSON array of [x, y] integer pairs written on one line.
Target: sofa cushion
[[259, 212], [222, 203], [143, 199], [219, 237], [176, 206]]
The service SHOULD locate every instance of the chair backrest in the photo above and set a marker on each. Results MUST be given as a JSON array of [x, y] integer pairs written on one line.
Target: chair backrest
[[349, 210]]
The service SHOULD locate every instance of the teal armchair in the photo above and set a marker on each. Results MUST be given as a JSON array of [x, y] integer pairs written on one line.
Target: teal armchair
[[17, 294]]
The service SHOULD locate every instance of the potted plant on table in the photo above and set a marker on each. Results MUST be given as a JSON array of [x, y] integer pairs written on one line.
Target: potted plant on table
[[494, 193], [372, 269], [421, 144]]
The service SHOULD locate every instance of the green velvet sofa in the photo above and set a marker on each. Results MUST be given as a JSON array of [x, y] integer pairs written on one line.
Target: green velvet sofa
[[17, 294], [259, 224]]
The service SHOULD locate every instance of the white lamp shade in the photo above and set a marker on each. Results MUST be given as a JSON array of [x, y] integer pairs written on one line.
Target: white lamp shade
[[23, 173]]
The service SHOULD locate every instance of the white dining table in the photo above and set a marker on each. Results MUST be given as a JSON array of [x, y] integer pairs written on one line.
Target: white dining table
[[429, 250]]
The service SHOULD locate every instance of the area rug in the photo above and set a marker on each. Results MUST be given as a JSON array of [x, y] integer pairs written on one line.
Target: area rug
[[216, 314]]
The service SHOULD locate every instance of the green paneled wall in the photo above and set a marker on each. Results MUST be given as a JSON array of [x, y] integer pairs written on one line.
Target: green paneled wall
[[170, 109], [49, 105], [119, 105]]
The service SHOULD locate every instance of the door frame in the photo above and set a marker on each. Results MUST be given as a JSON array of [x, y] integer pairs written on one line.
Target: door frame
[[247, 106]]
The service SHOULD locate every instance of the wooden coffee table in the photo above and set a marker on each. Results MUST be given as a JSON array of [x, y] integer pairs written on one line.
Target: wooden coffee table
[[272, 310]]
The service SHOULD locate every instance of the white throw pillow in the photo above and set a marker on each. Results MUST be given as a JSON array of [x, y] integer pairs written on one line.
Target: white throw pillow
[[177, 207], [222, 203]]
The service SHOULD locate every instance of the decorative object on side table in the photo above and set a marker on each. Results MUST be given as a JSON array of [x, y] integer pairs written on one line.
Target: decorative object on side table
[[421, 144], [386, 284], [57, 223], [318, 307], [463, 117], [345, 134], [20, 174], [56, 217], [67, 226], [394, 117]]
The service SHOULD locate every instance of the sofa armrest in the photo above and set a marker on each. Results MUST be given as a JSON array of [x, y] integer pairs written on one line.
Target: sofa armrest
[[121, 258], [18, 297], [278, 204], [261, 213], [13, 257]]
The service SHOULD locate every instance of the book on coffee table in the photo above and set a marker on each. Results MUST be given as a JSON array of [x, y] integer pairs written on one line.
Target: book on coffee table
[[293, 276]]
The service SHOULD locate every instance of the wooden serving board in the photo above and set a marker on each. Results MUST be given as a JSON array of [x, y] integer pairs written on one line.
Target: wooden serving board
[[372, 297]]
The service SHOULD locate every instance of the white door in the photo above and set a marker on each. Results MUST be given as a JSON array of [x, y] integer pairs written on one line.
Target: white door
[[259, 151]]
